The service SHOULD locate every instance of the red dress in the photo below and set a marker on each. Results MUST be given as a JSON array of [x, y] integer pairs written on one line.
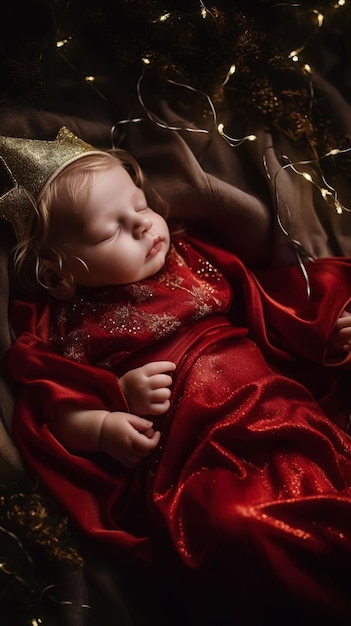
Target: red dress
[[250, 487]]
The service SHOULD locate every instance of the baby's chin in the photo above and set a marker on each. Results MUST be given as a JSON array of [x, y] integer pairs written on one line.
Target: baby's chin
[[157, 261], [157, 267]]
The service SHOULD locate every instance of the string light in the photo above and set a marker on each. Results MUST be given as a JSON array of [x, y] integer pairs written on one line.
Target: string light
[[150, 117], [234, 142], [328, 193], [230, 73], [295, 5], [300, 253], [287, 4], [204, 11], [62, 42], [294, 55], [49, 588], [164, 17], [320, 17], [88, 78], [213, 12], [146, 62], [5, 568]]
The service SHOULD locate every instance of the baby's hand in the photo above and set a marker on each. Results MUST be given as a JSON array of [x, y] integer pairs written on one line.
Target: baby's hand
[[127, 438], [340, 339], [147, 388]]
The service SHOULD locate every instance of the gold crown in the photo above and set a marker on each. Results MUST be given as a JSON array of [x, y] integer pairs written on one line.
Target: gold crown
[[32, 164]]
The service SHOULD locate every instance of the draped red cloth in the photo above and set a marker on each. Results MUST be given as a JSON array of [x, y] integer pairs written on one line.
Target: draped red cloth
[[249, 490]]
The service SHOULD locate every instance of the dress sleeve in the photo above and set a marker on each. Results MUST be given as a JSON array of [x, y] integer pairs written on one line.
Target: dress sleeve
[[289, 311], [299, 310], [50, 379], [45, 381]]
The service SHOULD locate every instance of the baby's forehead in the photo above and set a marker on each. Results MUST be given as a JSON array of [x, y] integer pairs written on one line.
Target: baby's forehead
[[67, 215], [90, 186]]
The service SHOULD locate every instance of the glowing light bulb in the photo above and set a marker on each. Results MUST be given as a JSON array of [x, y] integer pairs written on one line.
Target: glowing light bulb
[[62, 42], [89, 79], [204, 11], [338, 207], [220, 129], [320, 18], [294, 56], [230, 73]]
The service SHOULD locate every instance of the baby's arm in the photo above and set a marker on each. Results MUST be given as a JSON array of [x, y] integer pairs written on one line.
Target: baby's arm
[[147, 388], [126, 437]]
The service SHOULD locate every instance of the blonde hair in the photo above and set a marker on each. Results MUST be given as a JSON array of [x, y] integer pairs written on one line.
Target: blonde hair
[[72, 179]]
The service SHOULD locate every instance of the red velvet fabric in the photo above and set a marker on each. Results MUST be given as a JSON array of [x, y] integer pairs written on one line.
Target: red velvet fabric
[[250, 487]]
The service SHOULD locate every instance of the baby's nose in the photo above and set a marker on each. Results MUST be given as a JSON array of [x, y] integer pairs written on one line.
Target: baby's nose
[[142, 225]]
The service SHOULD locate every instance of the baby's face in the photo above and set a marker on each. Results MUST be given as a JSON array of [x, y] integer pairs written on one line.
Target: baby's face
[[112, 236]]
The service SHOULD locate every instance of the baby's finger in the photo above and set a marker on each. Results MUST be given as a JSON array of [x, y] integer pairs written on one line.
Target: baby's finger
[[158, 367], [159, 408], [160, 395], [344, 334], [149, 433], [143, 444], [140, 424], [345, 343], [343, 322], [159, 381]]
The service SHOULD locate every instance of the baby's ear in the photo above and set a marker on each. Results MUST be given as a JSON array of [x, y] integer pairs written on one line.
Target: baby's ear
[[59, 286]]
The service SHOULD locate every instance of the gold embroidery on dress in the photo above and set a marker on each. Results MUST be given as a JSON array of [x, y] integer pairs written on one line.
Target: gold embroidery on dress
[[139, 291], [150, 309], [76, 347], [200, 294], [130, 319]]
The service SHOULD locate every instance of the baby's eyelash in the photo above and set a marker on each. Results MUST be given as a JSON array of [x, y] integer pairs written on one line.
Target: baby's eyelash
[[114, 234], [141, 208]]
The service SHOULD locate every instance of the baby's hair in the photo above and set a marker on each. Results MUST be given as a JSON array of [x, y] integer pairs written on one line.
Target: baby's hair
[[72, 180]]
